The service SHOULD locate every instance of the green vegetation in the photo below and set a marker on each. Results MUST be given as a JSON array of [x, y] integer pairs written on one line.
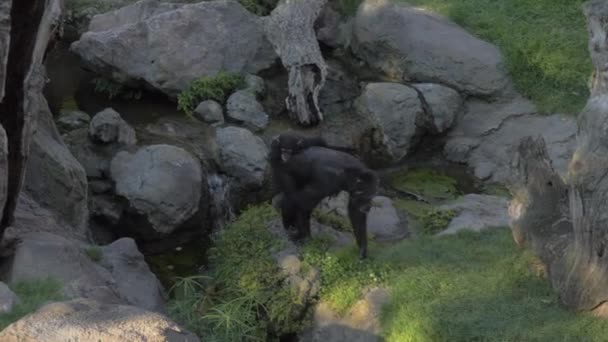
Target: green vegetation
[[94, 252], [343, 275], [215, 88], [544, 43], [496, 190], [245, 296], [433, 220], [426, 182], [259, 7], [32, 294], [113, 89], [333, 220], [172, 266]]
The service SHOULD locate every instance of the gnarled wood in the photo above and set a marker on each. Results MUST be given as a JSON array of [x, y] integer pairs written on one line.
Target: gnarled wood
[[290, 29], [572, 240], [29, 24]]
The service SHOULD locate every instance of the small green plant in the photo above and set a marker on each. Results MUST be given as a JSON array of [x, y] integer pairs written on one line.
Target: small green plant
[[215, 88], [32, 294], [434, 220], [94, 252], [112, 89]]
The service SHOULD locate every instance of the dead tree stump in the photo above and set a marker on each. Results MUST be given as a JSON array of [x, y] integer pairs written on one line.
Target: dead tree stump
[[565, 222], [290, 29]]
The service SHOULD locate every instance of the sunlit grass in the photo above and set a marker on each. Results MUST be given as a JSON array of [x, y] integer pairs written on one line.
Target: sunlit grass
[[32, 295]]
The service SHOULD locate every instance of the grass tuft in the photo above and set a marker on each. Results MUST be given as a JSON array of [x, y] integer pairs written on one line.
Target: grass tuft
[[215, 88], [33, 294]]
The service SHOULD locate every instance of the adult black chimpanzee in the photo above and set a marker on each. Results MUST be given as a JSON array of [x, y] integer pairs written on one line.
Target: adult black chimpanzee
[[315, 172]]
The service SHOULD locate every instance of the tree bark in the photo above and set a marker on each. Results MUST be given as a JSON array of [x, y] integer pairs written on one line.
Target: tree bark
[[25, 28], [566, 223], [290, 29]]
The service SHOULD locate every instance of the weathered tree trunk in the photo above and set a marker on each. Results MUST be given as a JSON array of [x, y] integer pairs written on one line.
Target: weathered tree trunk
[[567, 225], [25, 28], [290, 29]]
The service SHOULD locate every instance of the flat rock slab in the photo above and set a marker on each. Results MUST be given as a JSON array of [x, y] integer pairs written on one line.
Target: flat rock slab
[[477, 212]]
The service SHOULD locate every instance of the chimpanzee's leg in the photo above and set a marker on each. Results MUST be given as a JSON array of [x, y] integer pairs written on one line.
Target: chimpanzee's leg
[[306, 200], [357, 213], [289, 212]]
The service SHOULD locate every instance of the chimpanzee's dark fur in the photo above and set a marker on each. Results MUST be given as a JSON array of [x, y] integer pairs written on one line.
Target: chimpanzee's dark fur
[[312, 172]]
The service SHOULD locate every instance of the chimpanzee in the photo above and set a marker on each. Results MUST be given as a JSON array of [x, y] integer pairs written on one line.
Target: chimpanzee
[[314, 172]]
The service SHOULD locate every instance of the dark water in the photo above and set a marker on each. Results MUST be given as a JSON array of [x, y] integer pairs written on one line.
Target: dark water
[[71, 87]]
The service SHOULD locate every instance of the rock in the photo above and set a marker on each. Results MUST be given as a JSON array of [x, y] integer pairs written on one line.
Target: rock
[[8, 299], [72, 120], [134, 280], [210, 112], [162, 183], [169, 46], [409, 44], [120, 276], [100, 186], [95, 158], [255, 84], [360, 324], [244, 108], [394, 110], [340, 90], [488, 132], [327, 26], [106, 208], [32, 217], [477, 212], [242, 156], [444, 103], [87, 320], [383, 221], [108, 127], [54, 178]]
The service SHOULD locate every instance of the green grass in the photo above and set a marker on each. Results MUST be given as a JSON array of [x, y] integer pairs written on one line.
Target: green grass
[[426, 182], [32, 294], [466, 287], [544, 43], [244, 297]]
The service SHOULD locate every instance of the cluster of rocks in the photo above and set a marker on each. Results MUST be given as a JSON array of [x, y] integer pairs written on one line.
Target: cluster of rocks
[[395, 75]]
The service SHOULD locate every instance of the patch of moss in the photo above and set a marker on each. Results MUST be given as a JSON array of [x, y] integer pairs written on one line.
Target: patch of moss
[[32, 294], [434, 220], [426, 182], [69, 103], [94, 252], [496, 190], [215, 88], [249, 300], [333, 220]]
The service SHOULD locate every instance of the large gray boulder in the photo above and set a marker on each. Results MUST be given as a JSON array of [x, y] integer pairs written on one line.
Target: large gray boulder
[[243, 108], [168, 45], [488, 132], [444, 105], [54, 178], [476, 213], [242, 156], [394, 111], [162, 183], [409, 44], [115, 273], [88, 320]]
